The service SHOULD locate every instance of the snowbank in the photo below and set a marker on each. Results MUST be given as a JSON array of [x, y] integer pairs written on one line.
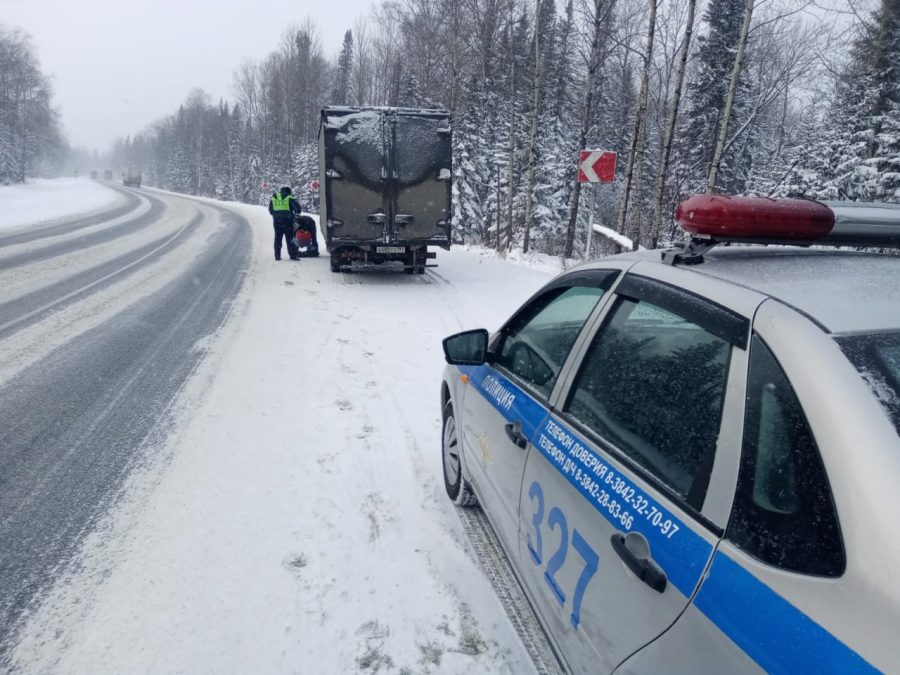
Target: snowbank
[[542, 262], [43, 200], [610, 233], [539, 262]]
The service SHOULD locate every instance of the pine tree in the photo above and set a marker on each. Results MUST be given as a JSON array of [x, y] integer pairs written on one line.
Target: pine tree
[[705, 100], [410, 94], [878, 53], [853, 152], [341, 93], [886, 161], [178, 172]]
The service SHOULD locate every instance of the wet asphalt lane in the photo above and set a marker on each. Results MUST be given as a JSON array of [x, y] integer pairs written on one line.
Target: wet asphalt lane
[[30, 307], [73, 425]]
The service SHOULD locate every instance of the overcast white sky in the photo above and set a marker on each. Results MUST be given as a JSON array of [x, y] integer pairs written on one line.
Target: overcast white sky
[[118, 65]]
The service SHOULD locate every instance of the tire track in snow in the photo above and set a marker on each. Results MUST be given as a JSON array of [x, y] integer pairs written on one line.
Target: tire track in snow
[[483, 544], [493, 561], [377, 500], [487, 552]]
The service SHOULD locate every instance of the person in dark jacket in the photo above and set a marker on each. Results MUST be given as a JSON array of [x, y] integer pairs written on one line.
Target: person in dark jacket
[[305, 238], [283, 207]]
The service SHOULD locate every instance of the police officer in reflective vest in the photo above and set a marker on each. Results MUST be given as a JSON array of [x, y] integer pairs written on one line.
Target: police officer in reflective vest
[[283, 208]]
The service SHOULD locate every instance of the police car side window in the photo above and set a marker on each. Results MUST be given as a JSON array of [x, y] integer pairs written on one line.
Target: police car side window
[[653, 385], [536, 344], [783, 513]]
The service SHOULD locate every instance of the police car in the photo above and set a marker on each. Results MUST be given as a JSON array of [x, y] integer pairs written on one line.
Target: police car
[[691, 457]]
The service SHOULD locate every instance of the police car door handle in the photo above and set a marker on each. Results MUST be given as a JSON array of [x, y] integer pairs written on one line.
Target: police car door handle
[[643, 569], [514, 432]]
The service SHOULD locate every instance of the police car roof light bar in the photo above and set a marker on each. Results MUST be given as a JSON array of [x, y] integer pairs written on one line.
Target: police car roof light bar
[[761, 220], [755, 219]]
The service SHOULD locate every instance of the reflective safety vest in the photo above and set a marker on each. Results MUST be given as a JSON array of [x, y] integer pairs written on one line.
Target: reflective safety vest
[[280, 203]]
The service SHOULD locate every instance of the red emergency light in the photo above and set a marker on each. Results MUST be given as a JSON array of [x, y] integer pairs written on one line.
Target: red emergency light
[[761, 220]]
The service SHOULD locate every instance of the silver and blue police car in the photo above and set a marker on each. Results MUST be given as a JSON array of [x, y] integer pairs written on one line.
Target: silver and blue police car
[[691, 457]]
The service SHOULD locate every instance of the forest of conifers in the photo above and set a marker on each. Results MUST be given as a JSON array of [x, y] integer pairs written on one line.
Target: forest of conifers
[[769, 97]]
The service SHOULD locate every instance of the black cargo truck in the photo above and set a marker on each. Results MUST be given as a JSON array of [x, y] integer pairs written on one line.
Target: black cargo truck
[[385, 182]]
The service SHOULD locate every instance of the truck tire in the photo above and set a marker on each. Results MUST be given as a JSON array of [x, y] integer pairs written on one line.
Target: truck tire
[[335, 264], [415, 262]]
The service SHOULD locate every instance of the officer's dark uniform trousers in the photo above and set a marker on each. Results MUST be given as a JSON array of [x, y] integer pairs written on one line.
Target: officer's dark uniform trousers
[[284, 228], [283, 222]]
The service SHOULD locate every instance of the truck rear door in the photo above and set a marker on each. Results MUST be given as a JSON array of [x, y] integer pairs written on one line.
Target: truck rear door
[[420, 161], [356, 175]]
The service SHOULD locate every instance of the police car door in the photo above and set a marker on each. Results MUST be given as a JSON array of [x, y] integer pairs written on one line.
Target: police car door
[[510, 394], [614, 488], [778, 586]]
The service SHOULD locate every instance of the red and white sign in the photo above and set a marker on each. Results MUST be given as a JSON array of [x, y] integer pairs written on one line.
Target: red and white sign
[[597, 166], [313, 185]]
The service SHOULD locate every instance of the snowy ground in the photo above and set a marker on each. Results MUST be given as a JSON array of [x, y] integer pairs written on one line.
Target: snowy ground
[[296, 520], [43, 200]]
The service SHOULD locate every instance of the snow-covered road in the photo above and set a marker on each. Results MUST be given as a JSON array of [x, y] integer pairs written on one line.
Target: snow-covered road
[[94, 319], [294, 517], [53, 202]]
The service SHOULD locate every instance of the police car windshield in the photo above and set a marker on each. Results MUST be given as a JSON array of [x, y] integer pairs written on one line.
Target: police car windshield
[[877, 357]]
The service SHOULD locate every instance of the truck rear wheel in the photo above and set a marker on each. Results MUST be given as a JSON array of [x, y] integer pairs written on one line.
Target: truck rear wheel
[[415, 262], [335, 264]]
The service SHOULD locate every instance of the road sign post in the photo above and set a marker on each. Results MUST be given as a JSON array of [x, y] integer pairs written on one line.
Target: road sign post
[[595, 166]]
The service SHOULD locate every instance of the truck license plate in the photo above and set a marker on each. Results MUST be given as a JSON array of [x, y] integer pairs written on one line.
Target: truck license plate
[[390, 249]]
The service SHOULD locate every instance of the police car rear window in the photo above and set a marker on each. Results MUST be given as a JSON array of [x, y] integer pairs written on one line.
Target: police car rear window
[[783, 512], [877, 358]]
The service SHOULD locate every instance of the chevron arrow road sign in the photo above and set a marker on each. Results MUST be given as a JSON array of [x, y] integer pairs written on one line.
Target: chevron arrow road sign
[[597, 166]]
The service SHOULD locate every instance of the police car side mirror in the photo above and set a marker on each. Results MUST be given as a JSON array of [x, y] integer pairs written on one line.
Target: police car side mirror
[[468, 348]]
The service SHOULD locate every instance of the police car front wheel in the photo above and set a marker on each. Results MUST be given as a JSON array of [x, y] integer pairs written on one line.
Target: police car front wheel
[[458, 489]]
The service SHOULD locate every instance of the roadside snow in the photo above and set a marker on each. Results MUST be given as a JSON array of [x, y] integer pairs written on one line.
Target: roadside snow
[[538, 262], [620, 239], [43, 200], [295, 520]]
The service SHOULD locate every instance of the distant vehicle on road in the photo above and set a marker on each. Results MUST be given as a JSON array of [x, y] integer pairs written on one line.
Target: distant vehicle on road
[[692, 456], [131, 178], [107, 175], [385, 185], [94, 175]]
